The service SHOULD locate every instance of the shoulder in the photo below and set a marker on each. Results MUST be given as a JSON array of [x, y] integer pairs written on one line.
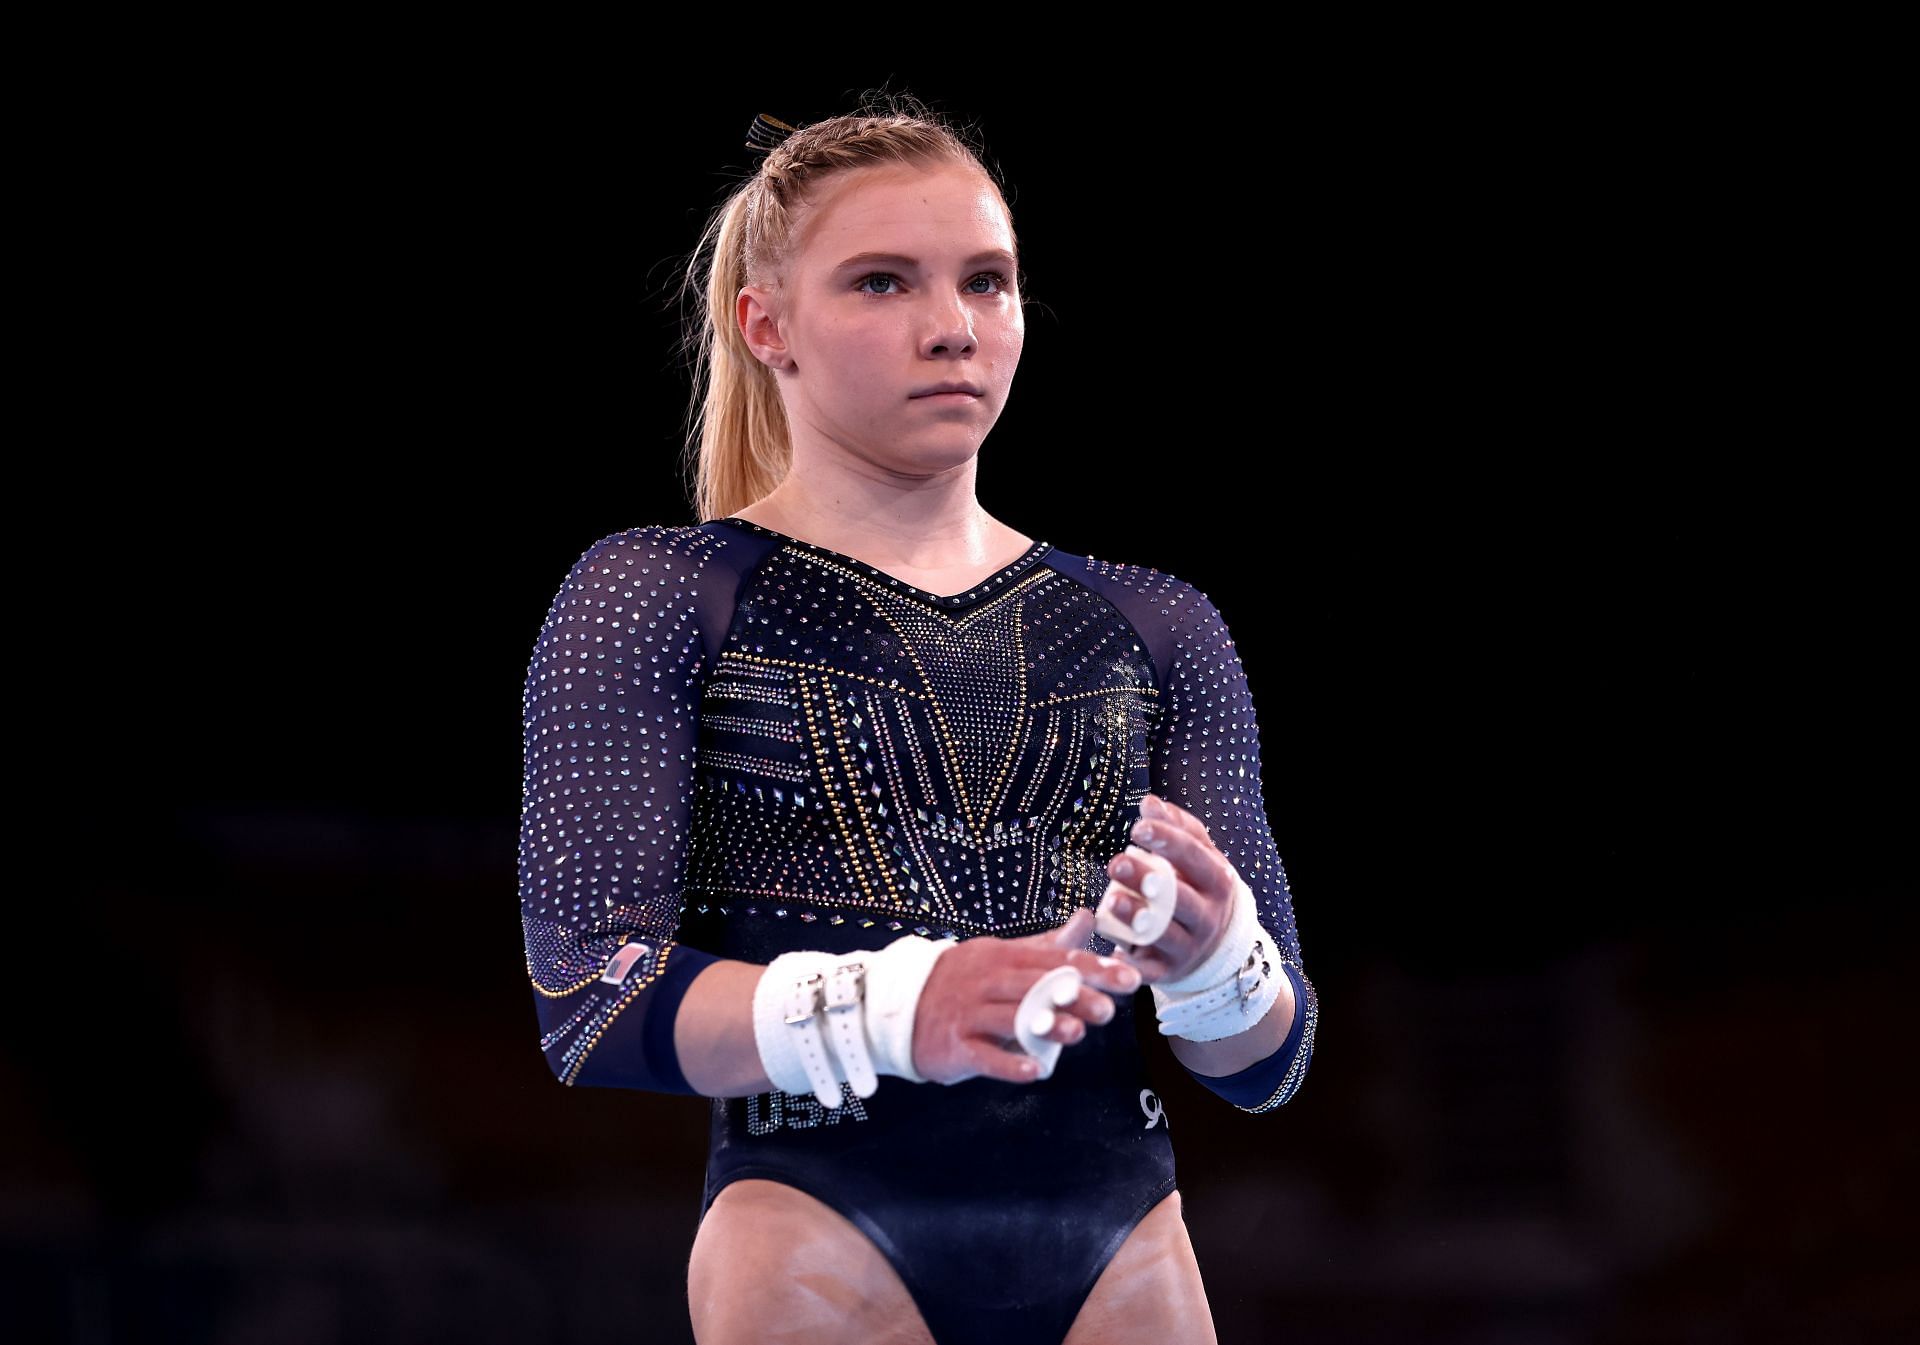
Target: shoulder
[[661, 554], [638, 567], [1147, 594], [682, 579], [645, 540]]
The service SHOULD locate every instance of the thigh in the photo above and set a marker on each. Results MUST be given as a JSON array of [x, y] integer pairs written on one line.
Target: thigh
[[1150, 1292], [772, 1264]]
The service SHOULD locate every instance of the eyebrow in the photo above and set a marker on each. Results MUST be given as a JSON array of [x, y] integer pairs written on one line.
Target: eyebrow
[[999, 255]]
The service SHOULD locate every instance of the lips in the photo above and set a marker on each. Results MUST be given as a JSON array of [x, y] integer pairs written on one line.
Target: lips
[[971, 389]]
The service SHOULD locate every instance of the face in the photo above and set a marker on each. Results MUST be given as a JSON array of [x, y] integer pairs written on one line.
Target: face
[[856, 340]]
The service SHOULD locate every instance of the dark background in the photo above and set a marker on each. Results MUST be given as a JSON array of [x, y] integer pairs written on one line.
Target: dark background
[[1569, 601]]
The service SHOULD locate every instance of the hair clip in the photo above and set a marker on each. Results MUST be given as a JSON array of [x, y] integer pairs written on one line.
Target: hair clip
[[766, 132]]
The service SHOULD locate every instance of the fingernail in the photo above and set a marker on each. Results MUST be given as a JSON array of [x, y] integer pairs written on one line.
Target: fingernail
[[1123, 868], [1041, 1023], [1154, 885], [1129, 978], [1141, 919], [1103, 1011]]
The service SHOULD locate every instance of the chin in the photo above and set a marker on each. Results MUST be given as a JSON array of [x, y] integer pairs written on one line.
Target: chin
[[943, 455]]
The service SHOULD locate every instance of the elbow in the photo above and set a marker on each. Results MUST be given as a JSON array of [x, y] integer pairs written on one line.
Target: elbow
[[1289, 1086], [1270, 1084], [1298, 1051], [625, 1042], [1273, 1083], [564, 1069], [564, 1065], [631, 1049], [572, 1052]]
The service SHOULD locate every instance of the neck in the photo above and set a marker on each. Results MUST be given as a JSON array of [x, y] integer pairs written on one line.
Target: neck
[[925, 527]]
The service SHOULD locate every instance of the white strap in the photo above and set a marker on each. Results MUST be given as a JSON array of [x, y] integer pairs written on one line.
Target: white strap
[[822, 1020], [895, 977], [848, 1031], [786, 1023], [1233, 988]]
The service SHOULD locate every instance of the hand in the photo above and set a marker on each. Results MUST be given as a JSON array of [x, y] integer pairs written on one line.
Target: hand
[[963, 1025], [1203, 889]]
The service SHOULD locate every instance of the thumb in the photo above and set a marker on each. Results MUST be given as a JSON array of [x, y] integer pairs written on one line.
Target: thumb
[[1073, 934]]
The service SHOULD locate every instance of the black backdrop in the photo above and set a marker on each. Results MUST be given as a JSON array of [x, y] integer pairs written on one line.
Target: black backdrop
[[1575, 632]]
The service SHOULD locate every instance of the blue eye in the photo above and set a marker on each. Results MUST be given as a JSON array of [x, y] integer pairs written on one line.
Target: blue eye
[[1000, 282]]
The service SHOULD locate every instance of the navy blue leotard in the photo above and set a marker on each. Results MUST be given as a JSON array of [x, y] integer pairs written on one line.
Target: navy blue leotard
[[739, 743]]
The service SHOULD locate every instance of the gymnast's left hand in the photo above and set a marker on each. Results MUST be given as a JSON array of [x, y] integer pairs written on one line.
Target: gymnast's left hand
[[1203, 889]]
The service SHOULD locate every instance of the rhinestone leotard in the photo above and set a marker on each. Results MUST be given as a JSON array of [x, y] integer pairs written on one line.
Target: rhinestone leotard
[[739, 743]]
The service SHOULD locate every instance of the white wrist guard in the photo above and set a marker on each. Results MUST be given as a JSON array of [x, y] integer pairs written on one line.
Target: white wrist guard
[[1233, 988], [823, 1019]]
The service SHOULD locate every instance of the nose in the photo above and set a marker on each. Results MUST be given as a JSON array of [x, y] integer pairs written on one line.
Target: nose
[[949, 331]]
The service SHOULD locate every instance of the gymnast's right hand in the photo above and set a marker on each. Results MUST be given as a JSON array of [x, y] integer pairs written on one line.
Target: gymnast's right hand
[[964, 1024]]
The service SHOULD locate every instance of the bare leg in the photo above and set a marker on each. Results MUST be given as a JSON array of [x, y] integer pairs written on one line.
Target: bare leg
[[772, 1265], [1150, 1293]]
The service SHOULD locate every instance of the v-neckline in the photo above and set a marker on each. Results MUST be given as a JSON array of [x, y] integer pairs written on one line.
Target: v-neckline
[[986, 588]]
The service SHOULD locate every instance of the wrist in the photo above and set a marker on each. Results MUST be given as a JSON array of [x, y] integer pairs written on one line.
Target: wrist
[[1234, 986], [821, 1020]]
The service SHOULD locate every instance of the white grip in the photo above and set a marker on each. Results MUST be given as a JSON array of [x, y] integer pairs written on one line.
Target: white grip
[[1057, 988], [1157, 885], [821, 1020]]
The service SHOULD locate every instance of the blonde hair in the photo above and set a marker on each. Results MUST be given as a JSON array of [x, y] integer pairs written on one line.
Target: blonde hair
[[738, 446]]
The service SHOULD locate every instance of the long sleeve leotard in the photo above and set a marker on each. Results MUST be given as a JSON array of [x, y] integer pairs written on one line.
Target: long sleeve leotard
[[739, 743]]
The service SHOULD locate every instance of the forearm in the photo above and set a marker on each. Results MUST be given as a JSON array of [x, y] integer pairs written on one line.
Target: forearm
[[1232, 1054], [713, 1032]]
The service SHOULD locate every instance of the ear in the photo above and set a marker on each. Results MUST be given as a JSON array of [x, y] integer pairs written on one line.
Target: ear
[[754, 308]]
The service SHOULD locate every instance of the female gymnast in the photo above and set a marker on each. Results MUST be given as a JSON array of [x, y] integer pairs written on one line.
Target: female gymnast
[[866, 816]]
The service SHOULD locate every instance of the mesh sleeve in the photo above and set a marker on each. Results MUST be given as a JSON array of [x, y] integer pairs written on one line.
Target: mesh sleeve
[[1206, 758], [610, 716]]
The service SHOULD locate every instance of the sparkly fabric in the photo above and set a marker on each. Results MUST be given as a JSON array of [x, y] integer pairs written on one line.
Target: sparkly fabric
[[739, 743]]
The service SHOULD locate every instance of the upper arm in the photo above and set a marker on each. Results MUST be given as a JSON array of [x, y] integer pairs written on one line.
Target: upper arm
[[610, 722]]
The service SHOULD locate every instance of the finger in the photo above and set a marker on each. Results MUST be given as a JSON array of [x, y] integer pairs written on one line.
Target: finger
[[1074, 933], [1104, 973], [1066, 946], [1131, 871], [1156, 961], [1193, 856], [1092, 1006], [1088, 1005], [1120, 898], [1127, 901], [1152, 963], [1003, 989], [996, 1062], [1115, 975], [1164, 810], [1061, 1026], [1006, 986]]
